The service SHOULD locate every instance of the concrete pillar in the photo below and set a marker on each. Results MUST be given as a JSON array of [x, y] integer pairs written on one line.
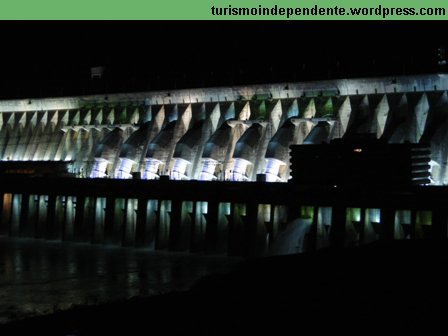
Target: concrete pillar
[[223, 227], [212, 227], [14, 229], [261, 229], [33, 215], [424, 224], [98, 219], [311, 241], [109, 220], [51, 229], [116, 230], [41, 224], [364, 225], [28, 216], [372, 225], [88, 224], [69, 221], [198, 226], [24, 229], [236, 230], [250, 223], [129, 222], [175, 225], [402, 224], [353, 225], [59, 216], [5, 212], [79, 219], [216, 232], [323, 225], [303, 227], [163, 224], [151, 222], [179, 236], [414, 230], [387, 223], [278, 220], [269, 226], [337, 229], [140, 225]]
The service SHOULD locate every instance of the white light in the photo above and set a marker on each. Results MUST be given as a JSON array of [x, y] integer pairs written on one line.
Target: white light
[[124, 169], [99, 168], [435, 172], [239, 170], [375, 215], [204, 207], [179, 168], [272, 170], [208, 169], [151, 169]]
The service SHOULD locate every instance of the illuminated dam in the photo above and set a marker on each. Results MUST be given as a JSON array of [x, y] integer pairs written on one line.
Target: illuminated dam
[[144, 157], [223, 133]]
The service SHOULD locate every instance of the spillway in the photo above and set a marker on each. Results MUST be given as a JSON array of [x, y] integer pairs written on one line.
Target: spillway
[[227, 133]]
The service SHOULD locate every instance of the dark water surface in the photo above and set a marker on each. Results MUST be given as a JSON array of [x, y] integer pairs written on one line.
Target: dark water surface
[[41, 277]]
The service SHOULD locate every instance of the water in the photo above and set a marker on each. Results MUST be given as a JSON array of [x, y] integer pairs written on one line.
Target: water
[[40, 277]]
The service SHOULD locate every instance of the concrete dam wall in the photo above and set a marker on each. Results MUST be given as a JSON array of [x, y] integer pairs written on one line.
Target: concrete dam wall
[[223, 133], [233, 218]]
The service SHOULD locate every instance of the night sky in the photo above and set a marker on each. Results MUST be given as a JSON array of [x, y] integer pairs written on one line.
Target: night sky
[[53, 58]]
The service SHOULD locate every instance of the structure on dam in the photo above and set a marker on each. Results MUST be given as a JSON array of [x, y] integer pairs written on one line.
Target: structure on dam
[[223, 133], [145, 156]]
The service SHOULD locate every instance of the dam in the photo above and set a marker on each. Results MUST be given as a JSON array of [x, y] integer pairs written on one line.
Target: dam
[[228, 133], [206, 169]]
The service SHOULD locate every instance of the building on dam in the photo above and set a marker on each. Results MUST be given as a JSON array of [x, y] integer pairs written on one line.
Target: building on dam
[[145, 156]]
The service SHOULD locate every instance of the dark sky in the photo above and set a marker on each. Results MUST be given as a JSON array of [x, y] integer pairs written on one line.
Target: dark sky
[[53, 58]]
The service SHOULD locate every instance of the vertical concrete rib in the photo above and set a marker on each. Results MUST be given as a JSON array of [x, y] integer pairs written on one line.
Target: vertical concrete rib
[[109, 115], [12, 137], [54, 141], [134, 116], [85, 117], [342, 119], [361, 116], [64, 145], [421, 114], [310, 110], [26, 127], [3, 133], [40, 141], [275, 114], [289, 108], [381, 114], [40, 138], [398, 119]]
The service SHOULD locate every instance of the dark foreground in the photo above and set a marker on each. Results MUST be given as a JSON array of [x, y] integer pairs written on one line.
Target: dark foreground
[[387, 286]]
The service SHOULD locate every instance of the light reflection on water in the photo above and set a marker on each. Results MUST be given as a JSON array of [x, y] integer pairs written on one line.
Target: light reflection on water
[[38, 277]]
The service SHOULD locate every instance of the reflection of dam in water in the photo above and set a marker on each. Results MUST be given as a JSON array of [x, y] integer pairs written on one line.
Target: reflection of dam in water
[[38, 278], [223, 133]]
